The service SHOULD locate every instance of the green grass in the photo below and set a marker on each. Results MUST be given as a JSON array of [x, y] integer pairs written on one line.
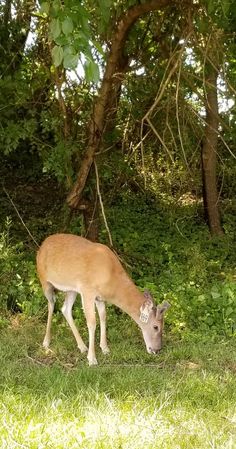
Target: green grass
[[183, 398]]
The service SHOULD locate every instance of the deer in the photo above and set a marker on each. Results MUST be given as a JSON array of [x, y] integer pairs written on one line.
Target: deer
[[75, 265]]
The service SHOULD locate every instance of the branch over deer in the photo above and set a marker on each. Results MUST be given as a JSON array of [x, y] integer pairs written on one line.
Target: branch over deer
[[72, 264]]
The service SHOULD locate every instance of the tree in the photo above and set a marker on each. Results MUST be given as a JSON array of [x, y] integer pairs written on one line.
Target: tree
[[210, 139], [158, 69], [114, 65]]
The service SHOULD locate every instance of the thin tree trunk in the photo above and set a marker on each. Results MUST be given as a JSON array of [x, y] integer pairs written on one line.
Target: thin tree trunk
[[209, 153], [91, 220], [101, 109]]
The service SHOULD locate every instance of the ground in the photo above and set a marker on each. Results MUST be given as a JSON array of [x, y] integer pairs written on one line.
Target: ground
[[183, 398]]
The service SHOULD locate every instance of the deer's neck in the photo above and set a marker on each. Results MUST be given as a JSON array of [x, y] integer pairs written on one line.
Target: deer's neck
[[128, 298]]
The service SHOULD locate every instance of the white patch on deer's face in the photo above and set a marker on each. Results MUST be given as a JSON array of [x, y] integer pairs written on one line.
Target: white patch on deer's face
[[145, 310]]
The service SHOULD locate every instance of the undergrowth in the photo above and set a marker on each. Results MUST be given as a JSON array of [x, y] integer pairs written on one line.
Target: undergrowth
[[175, 258]]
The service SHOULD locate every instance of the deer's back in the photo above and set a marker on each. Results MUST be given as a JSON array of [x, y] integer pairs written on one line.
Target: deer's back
[[70, 262]]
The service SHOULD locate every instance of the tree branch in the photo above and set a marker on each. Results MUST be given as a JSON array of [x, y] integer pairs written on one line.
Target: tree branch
[[99, 115]]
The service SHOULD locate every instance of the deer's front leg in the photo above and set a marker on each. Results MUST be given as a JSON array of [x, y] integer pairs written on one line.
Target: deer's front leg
[[89, 310]]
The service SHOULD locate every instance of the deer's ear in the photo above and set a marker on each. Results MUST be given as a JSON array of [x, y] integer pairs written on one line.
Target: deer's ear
[[147, 295], [145, 310], [161, 309]]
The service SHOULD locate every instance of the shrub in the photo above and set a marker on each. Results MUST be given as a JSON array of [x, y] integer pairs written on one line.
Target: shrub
[[20, 290]]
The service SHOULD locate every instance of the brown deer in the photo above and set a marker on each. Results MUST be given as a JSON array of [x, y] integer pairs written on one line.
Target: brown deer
[[72, 264]]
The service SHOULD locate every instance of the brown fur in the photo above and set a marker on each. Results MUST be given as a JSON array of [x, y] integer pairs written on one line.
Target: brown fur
[[75, 265]]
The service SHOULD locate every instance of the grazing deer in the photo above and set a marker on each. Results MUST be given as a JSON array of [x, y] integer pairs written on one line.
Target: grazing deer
[[74, 265]]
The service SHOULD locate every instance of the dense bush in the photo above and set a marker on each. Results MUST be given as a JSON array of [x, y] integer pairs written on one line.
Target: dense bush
[[178, 260], [20, 290]]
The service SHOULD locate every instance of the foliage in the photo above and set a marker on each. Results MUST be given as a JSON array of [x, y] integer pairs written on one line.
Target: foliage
[[69, 29], [20, 290], [36, 121], [177, 261]]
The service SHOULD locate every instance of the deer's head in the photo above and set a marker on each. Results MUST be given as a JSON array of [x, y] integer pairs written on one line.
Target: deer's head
[[152, 322]]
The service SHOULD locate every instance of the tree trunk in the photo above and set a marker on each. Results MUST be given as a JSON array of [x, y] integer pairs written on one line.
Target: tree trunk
[[209, 152], [91, 220], [101, 107]]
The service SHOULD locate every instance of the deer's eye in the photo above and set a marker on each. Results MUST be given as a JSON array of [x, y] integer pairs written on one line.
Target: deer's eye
[[156, 327]]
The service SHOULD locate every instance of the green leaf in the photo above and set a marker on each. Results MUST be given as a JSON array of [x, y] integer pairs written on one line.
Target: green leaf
[[215, 294], [61, 40], [67, 26], [84, 25], [229, 311], [44, 9], [91, 71], [82, 11], [57, 55], [202, 25], [99, 48], [55, 28], [70, 61], [211, 6], [56, 5], [225, 4], [81, 42], [103, 11], [105, 4]]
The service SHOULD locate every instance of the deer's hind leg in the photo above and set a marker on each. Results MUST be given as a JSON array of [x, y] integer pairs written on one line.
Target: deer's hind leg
[[67, 312], [49, 292]]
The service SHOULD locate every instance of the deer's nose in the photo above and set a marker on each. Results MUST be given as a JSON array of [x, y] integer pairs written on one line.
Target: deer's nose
[[154, 351]]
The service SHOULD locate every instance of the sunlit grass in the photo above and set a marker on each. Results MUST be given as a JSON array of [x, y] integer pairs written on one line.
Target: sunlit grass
[[184, 398]]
